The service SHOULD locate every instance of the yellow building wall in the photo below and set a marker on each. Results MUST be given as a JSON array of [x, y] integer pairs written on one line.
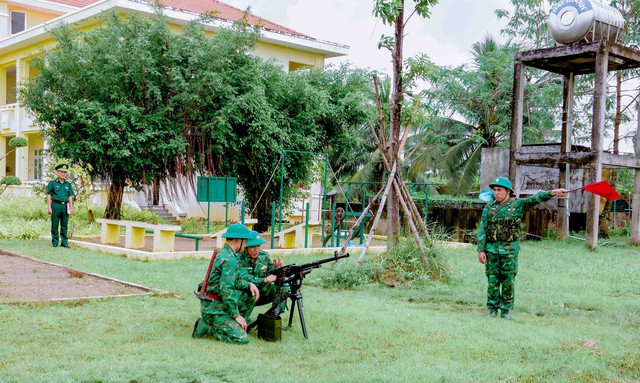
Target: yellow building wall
[[36, 142], [290, 58], [34, 18]]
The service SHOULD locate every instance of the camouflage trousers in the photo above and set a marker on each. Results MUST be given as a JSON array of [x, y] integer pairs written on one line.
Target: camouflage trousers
[[217, 323], [501, 270]]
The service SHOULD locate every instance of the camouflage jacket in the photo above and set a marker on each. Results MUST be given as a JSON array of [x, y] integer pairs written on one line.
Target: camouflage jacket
[[500, 225], [259, 270], [226, 279]]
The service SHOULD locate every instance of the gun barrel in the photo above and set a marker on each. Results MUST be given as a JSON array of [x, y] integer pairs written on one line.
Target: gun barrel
[[293, 268]]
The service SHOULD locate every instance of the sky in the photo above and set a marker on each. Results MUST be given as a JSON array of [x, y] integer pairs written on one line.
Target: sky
[[446, 37]]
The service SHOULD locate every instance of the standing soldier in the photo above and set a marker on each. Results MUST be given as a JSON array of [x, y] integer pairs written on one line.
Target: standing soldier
[[60, 204], [226, 307], [498, 245]]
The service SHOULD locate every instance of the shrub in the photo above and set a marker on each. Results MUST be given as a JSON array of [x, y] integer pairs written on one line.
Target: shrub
[[345, 275]]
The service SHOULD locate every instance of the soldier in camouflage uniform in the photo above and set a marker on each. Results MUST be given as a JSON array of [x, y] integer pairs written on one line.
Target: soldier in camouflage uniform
[[498, 245], [230, 295], [258, 264]]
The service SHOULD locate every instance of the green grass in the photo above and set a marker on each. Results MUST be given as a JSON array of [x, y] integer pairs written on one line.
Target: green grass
[[577, 319]]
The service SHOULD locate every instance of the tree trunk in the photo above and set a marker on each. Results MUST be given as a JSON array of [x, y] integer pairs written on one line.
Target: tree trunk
[[114, 200], [263, 214], [393, 206], [156, 191], [604, 217]]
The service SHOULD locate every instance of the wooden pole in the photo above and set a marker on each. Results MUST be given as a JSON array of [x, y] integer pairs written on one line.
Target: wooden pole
[[379, 213], [635, 204], [416, 235], [358, 221]]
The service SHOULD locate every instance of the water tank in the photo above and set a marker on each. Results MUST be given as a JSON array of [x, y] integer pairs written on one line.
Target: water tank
[[584, 20]]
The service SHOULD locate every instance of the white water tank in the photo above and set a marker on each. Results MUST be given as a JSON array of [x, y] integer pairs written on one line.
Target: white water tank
[[584, 20]]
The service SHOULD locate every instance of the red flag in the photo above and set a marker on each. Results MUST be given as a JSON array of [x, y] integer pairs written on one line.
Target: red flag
[[603, 189]]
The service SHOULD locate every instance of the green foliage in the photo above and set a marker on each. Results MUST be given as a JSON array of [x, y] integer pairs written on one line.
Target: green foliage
[[625, 180], [199, 226], [389, 10], [137, 102], [448, 200], [348, 275], [403, 264], [18, 142], [10, 180], [130, 214], [470, 109], [27, 218]]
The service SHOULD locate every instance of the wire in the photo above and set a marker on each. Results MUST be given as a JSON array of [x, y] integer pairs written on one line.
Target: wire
[[265, 187]]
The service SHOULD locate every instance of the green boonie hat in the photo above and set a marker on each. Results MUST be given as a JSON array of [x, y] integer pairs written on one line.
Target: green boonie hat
[[502, 181], [63, 167], [238, 230], [257, 240]]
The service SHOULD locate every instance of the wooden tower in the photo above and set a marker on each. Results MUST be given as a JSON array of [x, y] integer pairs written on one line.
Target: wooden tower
[[600, 58]]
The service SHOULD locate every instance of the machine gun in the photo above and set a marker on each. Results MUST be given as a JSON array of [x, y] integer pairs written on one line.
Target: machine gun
[[289, 281]]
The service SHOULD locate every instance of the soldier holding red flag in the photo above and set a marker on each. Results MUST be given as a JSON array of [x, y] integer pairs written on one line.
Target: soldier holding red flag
[[498, 245]]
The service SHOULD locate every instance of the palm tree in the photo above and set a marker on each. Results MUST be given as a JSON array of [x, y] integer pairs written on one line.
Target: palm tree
[[471, 109]]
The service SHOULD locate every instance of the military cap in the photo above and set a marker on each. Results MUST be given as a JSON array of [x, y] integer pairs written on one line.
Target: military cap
[[503, 182], [238, 230], [63, 167], [257, 240]]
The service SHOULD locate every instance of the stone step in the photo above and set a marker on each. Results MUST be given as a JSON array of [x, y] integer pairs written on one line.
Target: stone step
[[162, 213]]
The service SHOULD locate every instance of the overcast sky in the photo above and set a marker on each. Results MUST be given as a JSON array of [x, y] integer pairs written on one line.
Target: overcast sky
[[446, 37]]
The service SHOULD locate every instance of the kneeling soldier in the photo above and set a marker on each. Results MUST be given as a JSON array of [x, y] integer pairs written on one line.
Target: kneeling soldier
[[259, 265], [226, 308]]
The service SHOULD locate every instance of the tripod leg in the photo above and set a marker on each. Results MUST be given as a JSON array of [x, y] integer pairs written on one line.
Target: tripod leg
[[304, 326], [293, 307]]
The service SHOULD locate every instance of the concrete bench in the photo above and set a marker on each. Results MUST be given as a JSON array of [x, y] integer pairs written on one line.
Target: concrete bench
[[163, 235], [250, 222], [293, 237]]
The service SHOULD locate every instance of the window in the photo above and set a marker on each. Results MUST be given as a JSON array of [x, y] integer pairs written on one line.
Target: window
[[38, 164], [18, 22]]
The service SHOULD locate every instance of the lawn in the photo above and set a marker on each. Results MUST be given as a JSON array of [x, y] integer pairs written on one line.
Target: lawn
[[577, 320]]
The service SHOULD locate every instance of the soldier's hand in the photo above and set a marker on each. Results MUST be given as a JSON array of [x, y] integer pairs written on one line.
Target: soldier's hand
[[242, 322], [559, 192], [278, 263], [50, 211], [254, 291], [482, 257], [270, 279]]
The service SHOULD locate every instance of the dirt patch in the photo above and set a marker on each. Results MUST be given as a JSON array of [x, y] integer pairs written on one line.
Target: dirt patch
[[24, 279]]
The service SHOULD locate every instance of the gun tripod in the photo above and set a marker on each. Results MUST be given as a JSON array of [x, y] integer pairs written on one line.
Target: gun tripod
[[295, 295]]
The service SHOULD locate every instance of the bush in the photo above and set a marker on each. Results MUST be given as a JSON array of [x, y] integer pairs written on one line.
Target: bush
[[346, 275], [404, 265]]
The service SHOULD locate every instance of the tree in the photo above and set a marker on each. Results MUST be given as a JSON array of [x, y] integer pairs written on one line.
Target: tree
[[392, 13], [6, 181], [470, 109], [108, 98], [312, 110], [139, 103]]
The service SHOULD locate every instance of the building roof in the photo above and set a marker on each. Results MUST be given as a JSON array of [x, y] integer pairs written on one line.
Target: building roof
[[219, 10]]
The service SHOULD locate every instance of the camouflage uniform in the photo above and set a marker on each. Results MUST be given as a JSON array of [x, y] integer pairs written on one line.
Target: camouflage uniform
[[228, 282], [257, 272], [498, 238]]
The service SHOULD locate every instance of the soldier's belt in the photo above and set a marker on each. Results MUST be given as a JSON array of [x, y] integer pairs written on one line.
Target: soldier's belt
[[60, 202], [207, 296]]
